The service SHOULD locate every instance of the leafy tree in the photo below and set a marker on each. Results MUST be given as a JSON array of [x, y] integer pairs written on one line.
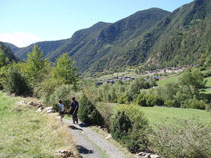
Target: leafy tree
[[64, 70], [36, 67], [136, 86], [16, 83], [88, 113], [3, 58], [120, 125], [130, 127], [193, 82]]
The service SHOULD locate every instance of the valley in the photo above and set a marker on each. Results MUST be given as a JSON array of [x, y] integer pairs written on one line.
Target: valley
[[143, 86]]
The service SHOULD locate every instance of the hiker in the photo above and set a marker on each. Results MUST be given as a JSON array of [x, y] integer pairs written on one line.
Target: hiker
[[74, 110], [61, 109]]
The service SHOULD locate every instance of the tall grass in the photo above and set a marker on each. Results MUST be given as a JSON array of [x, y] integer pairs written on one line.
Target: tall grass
[[27, 133]]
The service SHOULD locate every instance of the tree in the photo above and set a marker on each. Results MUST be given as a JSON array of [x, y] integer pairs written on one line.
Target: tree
[[4, 60], [193, 82], [36, 67], [88, 113], [16, 83], [64, 70]]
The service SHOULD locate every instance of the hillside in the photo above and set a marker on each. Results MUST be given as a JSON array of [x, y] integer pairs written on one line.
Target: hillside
[[46, 47], [6, 52], [13, 47], [189, 30], [178, 39], [101, 41], [152, 39]]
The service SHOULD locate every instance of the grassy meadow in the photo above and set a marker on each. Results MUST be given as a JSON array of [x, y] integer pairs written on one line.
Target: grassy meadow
[[27, 133], [174, 78], [168, 79], [208, 82], [158, 115], [165, 115]]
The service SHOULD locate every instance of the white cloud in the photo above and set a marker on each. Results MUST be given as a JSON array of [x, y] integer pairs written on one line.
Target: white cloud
[[20, 39]]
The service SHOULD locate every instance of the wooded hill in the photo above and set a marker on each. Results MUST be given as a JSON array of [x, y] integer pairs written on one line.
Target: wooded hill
[[153, 38], [6, 55]]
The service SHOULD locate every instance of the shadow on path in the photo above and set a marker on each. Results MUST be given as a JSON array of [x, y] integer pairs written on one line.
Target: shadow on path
[[82, 125], [83, 150], [75, 128]]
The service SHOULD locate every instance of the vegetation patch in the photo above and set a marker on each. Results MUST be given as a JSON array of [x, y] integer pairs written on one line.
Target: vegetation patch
[[27, 133], [184, 138]]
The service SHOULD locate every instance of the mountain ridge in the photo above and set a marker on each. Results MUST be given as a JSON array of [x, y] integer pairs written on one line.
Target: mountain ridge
[[152, 38]]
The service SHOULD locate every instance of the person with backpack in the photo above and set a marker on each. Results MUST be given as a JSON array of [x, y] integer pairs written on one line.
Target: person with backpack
[[61, 109], [74, 110]]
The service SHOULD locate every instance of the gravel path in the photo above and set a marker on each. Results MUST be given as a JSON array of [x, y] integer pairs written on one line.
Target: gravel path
[[92, 145]]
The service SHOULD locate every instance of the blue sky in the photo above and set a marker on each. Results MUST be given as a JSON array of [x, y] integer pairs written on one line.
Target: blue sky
[[27, 21]]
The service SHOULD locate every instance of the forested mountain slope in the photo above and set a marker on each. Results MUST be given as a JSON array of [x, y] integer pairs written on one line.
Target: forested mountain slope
[[152, 38], [101, 42], [179, 39], [6, 55]]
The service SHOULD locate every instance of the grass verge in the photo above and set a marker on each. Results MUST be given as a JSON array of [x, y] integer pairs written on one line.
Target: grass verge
[[27, 133]]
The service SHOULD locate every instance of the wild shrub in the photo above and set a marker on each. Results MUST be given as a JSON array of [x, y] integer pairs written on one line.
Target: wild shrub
[[194, 104], [184, 138], [106, 112], [130, 127], [120, 126], [123, 99], [172, 103], [136, 86], [208, 107], [45, 89], [16, 83], [64, 93], [149, 100], [88, 112]]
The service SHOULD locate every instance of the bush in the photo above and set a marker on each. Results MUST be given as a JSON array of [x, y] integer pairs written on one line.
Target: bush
[[195, 104], [130, 128], [64, 93], [106, 112], [120, 126], [149, 100], [45, 89], [208, 107], [141, 100], [123, 99], [172, 103], [16, 83], [136, 86], [88, 113], [189, 139]]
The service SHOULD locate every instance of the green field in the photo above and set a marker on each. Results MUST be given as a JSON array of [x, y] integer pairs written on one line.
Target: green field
[[208, 82], [27, 133], [160, 115], [174, 79], [168, 79]]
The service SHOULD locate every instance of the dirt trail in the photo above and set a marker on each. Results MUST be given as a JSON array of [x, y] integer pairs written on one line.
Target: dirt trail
[[91, 144]]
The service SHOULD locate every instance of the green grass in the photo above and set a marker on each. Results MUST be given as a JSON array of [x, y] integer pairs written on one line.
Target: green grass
[[208, 81], [160, 115], [208, 90], [168, 79], [27, 133]]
